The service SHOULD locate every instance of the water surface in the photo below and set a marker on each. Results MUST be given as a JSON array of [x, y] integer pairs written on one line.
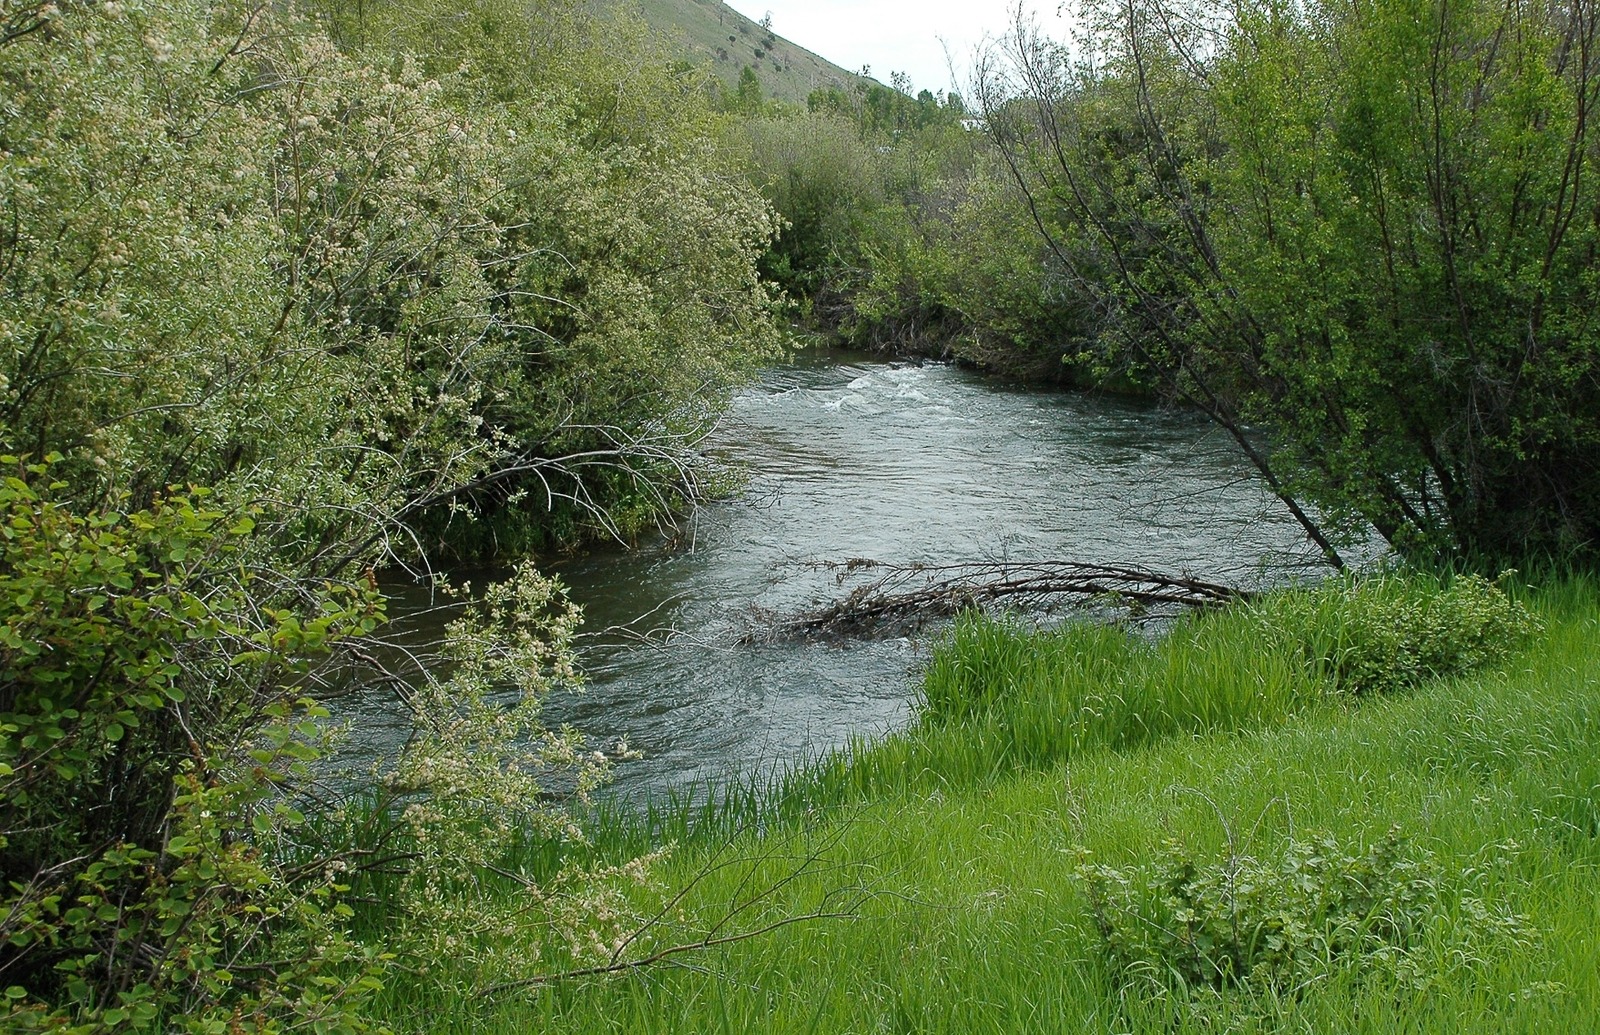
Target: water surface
[[902, 463]]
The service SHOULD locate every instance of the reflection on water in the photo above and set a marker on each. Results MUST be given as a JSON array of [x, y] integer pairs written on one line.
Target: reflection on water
[[903, 464]]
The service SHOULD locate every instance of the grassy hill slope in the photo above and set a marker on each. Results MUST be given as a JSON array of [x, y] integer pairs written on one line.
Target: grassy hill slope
[[722, 37]]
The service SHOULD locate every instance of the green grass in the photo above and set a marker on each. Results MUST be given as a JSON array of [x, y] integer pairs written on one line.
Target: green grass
[[961, 848]]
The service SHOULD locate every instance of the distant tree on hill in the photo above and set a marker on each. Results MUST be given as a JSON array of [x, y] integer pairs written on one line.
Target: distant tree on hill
[[747, 95]]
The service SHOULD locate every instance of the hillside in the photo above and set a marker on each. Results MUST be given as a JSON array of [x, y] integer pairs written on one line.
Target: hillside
[[728, 41]]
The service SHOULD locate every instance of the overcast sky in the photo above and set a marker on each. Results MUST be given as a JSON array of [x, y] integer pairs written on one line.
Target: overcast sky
[[894, 35]]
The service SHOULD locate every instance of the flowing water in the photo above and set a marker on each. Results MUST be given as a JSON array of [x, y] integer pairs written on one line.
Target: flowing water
[[855, 458]]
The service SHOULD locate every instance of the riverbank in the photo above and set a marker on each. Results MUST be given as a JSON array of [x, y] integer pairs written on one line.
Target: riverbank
[[1028, 890], [851, 457]]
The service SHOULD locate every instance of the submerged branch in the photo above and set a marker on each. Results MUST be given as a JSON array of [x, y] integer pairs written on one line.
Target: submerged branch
[[903, 598]]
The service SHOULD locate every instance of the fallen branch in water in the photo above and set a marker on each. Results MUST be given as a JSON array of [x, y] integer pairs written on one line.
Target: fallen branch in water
[[900, 599]]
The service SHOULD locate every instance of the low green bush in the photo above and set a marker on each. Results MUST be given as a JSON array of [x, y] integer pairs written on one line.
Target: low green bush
[[1359, 634], [154, 721], [163, 733], [1381, 633], [1276, 924]]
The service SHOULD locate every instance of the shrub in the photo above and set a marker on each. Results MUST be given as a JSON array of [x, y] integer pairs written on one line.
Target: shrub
[[1377, 634], [160, 734], [152, 727], [357, 293], [1274, 923]]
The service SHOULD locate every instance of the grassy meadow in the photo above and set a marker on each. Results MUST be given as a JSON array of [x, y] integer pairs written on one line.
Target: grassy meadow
[[1369, 808]]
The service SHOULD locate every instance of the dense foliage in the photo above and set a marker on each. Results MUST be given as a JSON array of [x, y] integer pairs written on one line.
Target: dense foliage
[[290, 293], [371, 279], [150, 725], [1277, 924], [295, 291], [1369, 226], [901, 233]]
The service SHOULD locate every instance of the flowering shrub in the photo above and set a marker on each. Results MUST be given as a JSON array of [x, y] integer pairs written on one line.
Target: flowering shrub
[[388, 289], [368, 299]]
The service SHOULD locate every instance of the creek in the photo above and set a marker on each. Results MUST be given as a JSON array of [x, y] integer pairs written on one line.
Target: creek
[[852, 457]]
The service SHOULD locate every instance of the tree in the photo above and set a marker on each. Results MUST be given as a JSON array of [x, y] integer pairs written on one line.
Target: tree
[[747, 95], [613, 359], [903, 235], [1359, 226]]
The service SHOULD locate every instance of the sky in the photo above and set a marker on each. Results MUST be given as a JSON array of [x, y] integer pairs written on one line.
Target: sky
[[894, 35]]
